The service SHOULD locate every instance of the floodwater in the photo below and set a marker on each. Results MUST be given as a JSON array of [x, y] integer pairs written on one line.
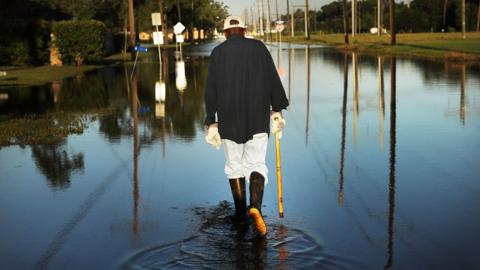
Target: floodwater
[[380, 165]]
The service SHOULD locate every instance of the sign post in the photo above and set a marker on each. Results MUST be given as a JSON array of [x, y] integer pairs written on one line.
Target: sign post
[[177, 30], [157, 36]]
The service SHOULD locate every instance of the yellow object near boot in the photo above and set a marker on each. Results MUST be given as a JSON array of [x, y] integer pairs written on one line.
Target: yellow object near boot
[[257, 218]]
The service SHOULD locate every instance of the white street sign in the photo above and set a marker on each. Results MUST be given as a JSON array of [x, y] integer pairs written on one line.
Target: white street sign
[[179, 38], [156, 19], [178, 28], [158, 38]]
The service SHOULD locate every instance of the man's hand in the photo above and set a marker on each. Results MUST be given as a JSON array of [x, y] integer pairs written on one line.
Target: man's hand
[[213, 137], [278, 123]]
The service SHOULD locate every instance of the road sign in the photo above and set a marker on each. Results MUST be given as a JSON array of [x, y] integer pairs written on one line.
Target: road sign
[[178, 28], [279, 26], [139, 48], [158, 38], [156, 19], [179, 38]]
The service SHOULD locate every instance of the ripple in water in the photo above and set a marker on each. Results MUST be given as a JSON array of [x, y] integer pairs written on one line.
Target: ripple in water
[[222, 244]]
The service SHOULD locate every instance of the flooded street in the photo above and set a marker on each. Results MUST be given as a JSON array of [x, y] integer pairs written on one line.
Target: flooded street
[[380, 166]]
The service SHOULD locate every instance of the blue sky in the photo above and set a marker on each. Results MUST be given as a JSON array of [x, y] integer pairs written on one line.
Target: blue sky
[[236, 7]]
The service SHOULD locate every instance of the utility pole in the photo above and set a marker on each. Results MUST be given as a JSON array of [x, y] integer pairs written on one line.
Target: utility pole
[[345, 27], [307, 21], [131, 20], [192, 41], [463, 20], [354, 17], [276, 9], [445, 3], [393, 38], [288, 12], [163, 15], [269, 24], [261, 19], [478, 17], [254, 20], [292, 29]]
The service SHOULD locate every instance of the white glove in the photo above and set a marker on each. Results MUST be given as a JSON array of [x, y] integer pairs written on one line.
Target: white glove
[[213, 137], [278, 123]]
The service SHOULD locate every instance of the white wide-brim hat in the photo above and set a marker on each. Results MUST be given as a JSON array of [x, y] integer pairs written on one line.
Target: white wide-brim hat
[[232, 22]]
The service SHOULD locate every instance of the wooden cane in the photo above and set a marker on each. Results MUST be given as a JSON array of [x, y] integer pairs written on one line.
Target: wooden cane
[[279, 175]]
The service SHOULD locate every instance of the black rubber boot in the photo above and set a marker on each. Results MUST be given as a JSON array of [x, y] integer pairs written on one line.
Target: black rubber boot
[[257, 182], [237, 186]]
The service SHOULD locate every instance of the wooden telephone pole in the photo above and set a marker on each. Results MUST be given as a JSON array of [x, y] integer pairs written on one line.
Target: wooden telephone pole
[[131, 21], [393, 36]]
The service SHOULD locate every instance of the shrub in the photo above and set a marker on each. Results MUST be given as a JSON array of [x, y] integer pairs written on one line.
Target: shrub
[[24, 42], [80, 41]]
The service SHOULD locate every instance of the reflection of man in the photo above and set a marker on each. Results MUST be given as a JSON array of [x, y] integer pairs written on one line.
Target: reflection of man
[[244, 91]]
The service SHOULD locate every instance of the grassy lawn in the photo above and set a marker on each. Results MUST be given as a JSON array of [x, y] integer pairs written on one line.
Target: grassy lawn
[[29, 76], [432, 45]]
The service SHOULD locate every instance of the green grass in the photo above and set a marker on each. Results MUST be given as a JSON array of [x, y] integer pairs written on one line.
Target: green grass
[[30, 76], [429, 45]]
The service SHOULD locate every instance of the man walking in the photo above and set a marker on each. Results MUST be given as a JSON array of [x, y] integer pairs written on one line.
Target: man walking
[[243, 92]]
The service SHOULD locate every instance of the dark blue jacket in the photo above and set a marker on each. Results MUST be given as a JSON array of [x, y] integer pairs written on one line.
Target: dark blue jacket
[[243, 86]]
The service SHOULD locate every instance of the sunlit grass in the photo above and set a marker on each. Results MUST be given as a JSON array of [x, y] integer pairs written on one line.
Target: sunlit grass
[[436, 45]]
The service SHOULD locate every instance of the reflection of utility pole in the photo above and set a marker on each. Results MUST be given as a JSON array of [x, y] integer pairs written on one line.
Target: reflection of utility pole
[[307, 59], [134, 106], [355, 96], [462, 95], [344, 128], [131, 21], [381, 98], [393, 141]]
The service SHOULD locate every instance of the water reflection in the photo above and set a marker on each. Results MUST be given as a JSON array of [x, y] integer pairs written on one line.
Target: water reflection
[[134, 109], [57, 164], [355, 96], [462, 95], [344, 128], [393, 146], [307, 65], [381, 97], [379, 190]]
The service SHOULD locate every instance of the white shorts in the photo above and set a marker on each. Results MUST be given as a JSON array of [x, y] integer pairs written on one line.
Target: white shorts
[[243, 159]]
